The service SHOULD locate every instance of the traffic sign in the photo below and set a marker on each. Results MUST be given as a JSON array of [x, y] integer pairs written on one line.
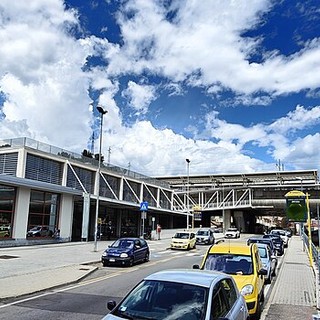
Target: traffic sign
[[144, 206]]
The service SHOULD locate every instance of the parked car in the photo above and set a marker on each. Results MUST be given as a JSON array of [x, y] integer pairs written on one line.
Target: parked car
[[232, 233], [185, 240], [283, 235], [181, 294], [277, 241], [5, 231], [267, 241], [40, 231], [126, 252], [205, 236], [243, 263], [269, 261]]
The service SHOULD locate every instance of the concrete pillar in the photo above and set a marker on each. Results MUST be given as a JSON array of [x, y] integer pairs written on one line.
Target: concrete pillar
[[21, 214], [66, 216], [226, 219]]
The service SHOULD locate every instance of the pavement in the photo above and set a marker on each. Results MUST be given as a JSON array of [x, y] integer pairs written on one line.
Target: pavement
[[31, 269], [293, 295]]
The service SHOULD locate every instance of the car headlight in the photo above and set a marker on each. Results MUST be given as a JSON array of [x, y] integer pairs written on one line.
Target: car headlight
[[247, 289], [124, 255], [104, 254]]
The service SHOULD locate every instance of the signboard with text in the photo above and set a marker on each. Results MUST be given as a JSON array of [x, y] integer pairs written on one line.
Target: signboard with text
[[296, 209]]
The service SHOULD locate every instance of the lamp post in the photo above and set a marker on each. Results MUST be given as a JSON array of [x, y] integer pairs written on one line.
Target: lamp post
[[102, 113], [188, 190]]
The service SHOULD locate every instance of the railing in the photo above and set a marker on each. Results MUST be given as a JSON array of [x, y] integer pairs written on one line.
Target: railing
[[44, 147]]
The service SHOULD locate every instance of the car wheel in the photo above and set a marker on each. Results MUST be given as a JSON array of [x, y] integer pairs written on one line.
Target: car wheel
[[147, 257], [268, 280], [274, 272], [188, 247], [105, 264], [256, 315], [195, 246], [131, 261]]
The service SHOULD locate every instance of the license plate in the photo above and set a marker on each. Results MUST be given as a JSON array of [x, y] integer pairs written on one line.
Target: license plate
[[112, 260]]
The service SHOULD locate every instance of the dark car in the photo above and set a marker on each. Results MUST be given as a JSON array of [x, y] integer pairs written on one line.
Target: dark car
[[126, 252], [278, 242]]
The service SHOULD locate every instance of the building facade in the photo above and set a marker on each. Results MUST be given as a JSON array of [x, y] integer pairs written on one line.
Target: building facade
[[48, 192]]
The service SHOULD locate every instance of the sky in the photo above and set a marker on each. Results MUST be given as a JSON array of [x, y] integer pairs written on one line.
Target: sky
[[233, 86]]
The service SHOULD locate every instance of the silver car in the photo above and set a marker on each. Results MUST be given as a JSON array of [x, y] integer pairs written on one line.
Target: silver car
[[268, 260], [182, 294], [205, 236]]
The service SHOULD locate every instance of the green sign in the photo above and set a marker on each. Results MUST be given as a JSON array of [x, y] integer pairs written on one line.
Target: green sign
[[296, 209]]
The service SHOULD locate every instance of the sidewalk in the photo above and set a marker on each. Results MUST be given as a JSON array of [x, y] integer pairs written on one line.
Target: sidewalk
[[293, 295], [29, 269]]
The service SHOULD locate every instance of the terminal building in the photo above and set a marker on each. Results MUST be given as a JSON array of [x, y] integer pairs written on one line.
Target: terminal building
[[48, 191]]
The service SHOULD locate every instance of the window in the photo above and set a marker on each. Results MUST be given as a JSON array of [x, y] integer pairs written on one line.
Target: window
[[7, 199], [43, 212], [230, 292], [219, 306]]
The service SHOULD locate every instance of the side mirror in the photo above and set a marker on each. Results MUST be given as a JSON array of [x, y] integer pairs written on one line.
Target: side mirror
[[263, 272], [111, 304], [195, 266]]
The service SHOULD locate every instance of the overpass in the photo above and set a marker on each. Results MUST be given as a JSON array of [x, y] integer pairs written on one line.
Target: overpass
[[243, 196]]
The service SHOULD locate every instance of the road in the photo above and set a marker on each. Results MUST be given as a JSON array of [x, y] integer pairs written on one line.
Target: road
[[87, 300]]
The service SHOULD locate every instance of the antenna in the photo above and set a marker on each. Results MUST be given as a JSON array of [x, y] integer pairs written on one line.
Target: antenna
[[92, 143], [109, 154]]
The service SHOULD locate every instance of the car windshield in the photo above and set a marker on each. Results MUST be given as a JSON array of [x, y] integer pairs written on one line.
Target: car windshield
[[122, 244], [229, 263], [202, 233], [161, 300], [35, 228], [232, 229], [182, 235]]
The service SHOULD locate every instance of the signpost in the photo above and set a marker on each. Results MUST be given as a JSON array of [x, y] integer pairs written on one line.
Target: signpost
[[298, 210], [143, 209]]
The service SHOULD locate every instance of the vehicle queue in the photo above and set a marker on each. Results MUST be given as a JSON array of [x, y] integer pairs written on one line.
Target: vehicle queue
[[251, 265]]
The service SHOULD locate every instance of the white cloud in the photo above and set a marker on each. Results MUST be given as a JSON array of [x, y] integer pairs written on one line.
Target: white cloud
[[139, 96], [45, 79]]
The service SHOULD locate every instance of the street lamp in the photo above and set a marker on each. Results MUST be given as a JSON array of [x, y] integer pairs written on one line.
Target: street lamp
[[102, 113], [188, 190]]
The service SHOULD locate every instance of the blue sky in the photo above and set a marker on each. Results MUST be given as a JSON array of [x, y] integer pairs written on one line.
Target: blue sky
[[231, 85]]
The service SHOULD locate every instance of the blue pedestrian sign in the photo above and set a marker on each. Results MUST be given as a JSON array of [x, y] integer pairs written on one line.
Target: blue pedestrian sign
[[144, 206]]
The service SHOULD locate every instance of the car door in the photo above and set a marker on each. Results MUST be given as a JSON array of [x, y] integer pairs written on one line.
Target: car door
[[227, 302], [139, 250]]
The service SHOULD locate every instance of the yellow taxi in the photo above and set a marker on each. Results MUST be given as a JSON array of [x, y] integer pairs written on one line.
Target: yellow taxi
[[184, 240], [243, 263]]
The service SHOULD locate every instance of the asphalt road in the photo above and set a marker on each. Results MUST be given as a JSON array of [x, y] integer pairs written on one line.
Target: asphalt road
[[87, 300]]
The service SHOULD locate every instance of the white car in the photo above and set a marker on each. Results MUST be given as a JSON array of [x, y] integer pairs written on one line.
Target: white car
[[232, 233], [182, 294]]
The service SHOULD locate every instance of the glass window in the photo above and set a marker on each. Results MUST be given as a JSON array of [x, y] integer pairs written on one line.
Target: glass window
[[164, 300], [7, 200], [230, 292], [43, 214], [219, 306], [229, 263]]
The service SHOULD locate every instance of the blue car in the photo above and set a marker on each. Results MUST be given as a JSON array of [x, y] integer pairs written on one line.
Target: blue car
[[126, 252]]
